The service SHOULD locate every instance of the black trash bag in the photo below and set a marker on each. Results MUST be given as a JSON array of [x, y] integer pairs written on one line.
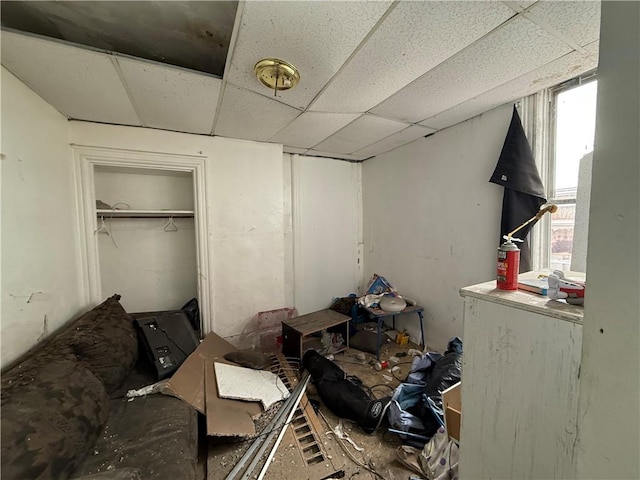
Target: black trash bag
[[344, 396], [344, 305], [349, 306], [192, 311], [446, 372]]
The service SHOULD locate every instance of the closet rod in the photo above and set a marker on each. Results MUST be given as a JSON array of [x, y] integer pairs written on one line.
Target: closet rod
[[145, 213]]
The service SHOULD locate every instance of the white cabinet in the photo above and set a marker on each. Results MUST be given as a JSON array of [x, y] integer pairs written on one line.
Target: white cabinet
[[520, 385]]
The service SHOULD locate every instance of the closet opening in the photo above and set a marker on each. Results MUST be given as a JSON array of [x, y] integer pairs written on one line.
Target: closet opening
[[146, 237], [143, 224]]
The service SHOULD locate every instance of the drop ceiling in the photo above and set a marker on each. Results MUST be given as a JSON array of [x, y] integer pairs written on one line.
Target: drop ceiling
[[374, 75]]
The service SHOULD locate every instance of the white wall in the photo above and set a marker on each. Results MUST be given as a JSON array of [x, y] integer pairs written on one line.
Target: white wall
[[244, 182], [152, 269], [327, 216], [609, 409], [432, 219], [40, 267]]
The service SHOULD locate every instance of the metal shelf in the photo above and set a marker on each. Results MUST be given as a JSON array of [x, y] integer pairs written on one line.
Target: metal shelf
[[144, 213]]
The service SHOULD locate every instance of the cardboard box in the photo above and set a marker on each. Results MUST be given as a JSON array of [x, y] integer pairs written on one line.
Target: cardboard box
[[452, 407]]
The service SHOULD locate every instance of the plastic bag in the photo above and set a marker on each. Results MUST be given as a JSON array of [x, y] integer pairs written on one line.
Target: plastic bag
[[407, 396], [192, 311], [439, 457], [422, 366], [446, 371]]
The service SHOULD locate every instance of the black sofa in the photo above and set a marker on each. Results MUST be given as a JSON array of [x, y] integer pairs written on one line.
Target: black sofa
[[65, 413]]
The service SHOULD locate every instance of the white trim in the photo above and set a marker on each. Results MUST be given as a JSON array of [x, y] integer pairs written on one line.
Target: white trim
[[86, 158], [535, 110], [297, 236], [356, 172], [288, 230]]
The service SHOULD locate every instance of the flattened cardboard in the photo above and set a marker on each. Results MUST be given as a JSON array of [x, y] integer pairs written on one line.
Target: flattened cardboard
[[227, 417], [188, 382], [224, 416]]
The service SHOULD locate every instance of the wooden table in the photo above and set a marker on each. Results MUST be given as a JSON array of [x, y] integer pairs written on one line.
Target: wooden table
[[298, 329], [379, 315]]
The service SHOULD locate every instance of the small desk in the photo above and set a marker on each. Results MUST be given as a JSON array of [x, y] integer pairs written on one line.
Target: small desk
[[295, 331], [380, 315]]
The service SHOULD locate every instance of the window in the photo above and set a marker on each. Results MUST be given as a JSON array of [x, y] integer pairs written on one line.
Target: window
[[572, 130]]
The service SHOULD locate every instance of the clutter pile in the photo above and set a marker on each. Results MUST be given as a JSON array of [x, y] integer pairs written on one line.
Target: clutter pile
[[416, 410], [380, 293], [228, 395], [438, 460]]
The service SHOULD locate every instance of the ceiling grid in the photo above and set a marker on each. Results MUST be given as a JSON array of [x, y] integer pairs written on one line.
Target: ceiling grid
[[374, 75]]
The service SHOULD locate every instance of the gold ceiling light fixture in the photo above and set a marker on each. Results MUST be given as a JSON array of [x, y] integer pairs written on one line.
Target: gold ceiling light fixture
[[276, 74]]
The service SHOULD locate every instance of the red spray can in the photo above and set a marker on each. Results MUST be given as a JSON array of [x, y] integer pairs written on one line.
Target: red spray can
[[508, 265]]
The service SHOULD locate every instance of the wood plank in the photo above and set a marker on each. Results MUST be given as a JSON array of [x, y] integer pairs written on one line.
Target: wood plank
[[452, 397], [317, 321], [453, 419], [452, 406]]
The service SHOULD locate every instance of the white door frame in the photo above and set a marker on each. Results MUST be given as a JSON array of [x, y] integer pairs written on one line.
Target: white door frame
[[86, 158]]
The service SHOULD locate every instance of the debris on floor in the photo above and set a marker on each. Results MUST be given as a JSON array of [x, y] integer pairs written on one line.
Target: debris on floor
[[240, 383], [353, 432], [157, 387], [437, 460]]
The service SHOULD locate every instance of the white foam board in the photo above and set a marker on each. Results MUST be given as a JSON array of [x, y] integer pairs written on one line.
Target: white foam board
[[241, 383]]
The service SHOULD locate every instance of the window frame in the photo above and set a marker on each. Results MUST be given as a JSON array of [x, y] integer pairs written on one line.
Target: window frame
[[539, 113]]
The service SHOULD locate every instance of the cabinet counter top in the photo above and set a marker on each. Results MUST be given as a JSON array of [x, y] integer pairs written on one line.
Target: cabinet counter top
[[524, 300]]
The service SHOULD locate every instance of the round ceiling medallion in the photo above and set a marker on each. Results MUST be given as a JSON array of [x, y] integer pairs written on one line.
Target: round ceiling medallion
[[277, 74]]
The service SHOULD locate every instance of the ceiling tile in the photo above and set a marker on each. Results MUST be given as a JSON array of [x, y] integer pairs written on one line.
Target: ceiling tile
[[520, 5], [362, 132], [396, 140], [514, 49], [247, 115], [413, 38], [580, 21], [82, 84], [189, 34], [171, 98], [310, 128], [551, 74], [316, 37], [339, 156]]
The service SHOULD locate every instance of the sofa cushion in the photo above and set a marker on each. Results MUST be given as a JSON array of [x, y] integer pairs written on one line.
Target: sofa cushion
[[156, 434], [105, 340], [53, 408], [117, 474]]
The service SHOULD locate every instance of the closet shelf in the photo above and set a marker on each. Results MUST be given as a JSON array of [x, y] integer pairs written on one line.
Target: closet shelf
[[144, 213]]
